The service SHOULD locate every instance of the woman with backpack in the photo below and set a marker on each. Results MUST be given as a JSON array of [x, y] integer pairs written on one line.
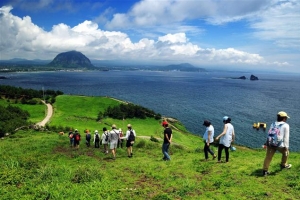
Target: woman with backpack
[[226, 137], [105, 140], [130, 137]]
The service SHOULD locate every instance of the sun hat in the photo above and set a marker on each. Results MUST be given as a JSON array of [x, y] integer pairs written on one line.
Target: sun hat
[[283, 114], [96, 131], [225, 118], [128, 125], [114, 126]]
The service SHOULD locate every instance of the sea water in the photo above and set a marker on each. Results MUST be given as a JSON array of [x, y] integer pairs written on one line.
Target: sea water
[[188, 96]]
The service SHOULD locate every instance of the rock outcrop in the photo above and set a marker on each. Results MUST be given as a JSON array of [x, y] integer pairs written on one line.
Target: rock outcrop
[[253, 78]]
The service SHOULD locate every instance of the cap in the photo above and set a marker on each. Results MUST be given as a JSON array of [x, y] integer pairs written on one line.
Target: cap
[[114, 126], [96, 131], [206, 123], [128, 125], [76, 130], [164, 123], [225, 118], [283, 114]]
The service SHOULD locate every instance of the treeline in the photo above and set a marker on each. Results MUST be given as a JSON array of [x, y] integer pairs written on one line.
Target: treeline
[[11, 118], [124, 111], [27, 96]]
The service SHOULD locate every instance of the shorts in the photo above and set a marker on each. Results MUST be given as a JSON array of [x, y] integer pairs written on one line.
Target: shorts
[[129, 144], [113, 145]]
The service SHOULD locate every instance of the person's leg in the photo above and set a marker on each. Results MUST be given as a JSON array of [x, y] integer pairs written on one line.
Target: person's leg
[[130, 150], [269, 155], [285, 153], [205, 150], [227, 153], [211, 151], [165, 151], [220, 149]]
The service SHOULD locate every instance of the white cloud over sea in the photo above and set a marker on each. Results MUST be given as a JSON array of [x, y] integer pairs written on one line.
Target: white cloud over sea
[[22, 38]]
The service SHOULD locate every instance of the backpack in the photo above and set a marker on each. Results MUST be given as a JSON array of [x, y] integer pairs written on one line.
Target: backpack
[[97, 137], [77, 137], [106, 137], [131, 136], [274, 137]]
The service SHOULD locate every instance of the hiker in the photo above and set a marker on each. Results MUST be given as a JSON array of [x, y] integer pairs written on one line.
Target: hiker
[[71, 138], [226, 137], [77, 138], [113, 138], [120, 142], [88, 138], [130, 138], [281, 143], [167, 141], [96, 139], [208, 139], [105, 140]]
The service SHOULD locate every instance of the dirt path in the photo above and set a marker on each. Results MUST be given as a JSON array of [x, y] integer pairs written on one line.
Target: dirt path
[[48, 116]]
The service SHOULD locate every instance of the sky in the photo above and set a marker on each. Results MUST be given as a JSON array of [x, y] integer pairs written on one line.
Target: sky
[[225, 34]]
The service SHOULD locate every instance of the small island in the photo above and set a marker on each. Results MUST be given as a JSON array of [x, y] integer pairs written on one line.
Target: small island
[[253, 78]]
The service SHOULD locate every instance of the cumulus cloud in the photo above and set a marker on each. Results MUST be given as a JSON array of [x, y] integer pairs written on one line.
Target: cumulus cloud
[[25, 39]]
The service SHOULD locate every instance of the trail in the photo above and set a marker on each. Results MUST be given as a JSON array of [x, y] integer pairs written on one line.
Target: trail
[[48, 116]]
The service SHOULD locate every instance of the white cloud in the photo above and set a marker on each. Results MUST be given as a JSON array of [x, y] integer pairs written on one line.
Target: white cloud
[[24, 39], [280, 23]]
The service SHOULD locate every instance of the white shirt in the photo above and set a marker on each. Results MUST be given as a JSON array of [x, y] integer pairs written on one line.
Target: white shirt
[[285, 130], [227, 138], [205, 136]]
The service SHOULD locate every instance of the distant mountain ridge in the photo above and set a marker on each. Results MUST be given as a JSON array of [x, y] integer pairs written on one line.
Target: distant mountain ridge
[[71, 59]]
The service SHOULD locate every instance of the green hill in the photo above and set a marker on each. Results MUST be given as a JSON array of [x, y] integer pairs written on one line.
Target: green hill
[[41, 164]]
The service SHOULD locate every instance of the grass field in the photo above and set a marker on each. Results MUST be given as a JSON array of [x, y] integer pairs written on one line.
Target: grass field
[[42, 165]]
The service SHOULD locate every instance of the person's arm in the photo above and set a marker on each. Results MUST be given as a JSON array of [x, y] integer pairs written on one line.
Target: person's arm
[[286, 136], [208, 138], [233, 136], [223, 133]]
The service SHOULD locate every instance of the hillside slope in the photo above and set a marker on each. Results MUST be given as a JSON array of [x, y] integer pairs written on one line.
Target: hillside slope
[[41, 165]]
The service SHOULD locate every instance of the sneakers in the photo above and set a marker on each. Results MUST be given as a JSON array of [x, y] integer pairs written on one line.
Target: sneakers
[[287, 166], [265, 173], [214, 157]]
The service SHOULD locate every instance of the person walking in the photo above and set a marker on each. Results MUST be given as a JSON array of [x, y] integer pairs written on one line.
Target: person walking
[[114, 137], [208, 139], [77, 138], [130, 138], [88, 138], [120, 142], [97, 139], [281, 144], [105, 140], [167, 141], [71, 136], [226, 138]]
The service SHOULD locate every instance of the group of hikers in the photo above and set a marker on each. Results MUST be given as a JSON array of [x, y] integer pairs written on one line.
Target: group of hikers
[[112, 139], [277, 140]]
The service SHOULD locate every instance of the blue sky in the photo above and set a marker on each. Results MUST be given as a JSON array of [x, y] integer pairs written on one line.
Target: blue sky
[[231, 34]]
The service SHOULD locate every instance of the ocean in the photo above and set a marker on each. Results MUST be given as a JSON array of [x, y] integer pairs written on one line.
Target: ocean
[[188, 96]]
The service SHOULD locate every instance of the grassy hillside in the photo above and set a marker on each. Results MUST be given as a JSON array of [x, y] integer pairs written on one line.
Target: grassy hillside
[[41, 165]]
